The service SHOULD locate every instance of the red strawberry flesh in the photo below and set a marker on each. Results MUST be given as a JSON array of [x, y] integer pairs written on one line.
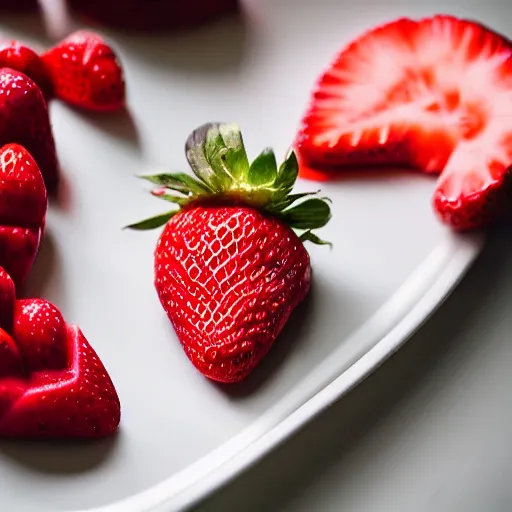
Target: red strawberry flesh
[[434, 94]]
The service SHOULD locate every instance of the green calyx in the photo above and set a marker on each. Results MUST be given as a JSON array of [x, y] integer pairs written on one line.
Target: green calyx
[[223, 174]]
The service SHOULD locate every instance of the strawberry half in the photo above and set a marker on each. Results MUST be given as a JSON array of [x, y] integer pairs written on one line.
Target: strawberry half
[[230, 264], [52, 383], [23, 204], [435, 95], [85, 72]]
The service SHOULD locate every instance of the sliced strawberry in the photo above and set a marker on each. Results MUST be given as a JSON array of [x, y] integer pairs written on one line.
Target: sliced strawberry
[[86, 72], [432, 94]]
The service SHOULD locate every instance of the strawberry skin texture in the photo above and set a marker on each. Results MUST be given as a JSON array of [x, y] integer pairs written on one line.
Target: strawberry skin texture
[[434, 95], [85, 72], [10, 359], [24, 120], [23, 205], [16, 55], [52, 383], [228, 279], [42, 341], [7, 298]]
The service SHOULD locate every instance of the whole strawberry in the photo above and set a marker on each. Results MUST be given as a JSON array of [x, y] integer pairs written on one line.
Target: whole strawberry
[[229, 265], [24, 120], [17, 55], [23, 204], [85, 72]]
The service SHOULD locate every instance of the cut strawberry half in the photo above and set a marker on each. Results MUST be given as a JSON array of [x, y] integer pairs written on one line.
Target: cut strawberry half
[[435, 95]]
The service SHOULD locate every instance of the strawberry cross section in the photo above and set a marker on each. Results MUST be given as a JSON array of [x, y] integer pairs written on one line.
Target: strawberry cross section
[[433, 94]]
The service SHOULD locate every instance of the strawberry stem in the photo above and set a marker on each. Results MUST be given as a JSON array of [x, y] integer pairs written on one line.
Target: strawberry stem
[[218, 159]]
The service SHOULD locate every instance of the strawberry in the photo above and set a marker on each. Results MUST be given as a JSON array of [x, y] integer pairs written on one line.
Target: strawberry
[[42, 341], [7, 298], [52, 383], [433, 94], [230, 264], [18, 56], [86, 72], [153, 14], [24, 120], [23, 203], [10, 359]]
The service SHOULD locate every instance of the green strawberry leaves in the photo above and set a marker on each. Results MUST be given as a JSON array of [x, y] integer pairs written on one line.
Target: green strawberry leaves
[[263, 170], [288, 173], [217, 156], [313, 213], [153, 222]]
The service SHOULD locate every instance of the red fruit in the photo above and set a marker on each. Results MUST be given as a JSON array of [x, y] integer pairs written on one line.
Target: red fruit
[[154, 14], [86, 72], [434, 94], [229, 267], [16, 55], [40, 333], [10, 360], [52, 383], [24, 120], [7, 298], [23, 204], [230, 286]]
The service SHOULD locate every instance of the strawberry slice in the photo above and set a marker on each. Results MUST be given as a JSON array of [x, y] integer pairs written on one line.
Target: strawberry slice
[[435, 95]]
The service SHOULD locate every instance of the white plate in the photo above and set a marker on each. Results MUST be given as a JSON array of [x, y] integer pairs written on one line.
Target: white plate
[[392, 264]]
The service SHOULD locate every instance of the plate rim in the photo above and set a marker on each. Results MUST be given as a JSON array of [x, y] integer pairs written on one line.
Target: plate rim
[[393, 324]]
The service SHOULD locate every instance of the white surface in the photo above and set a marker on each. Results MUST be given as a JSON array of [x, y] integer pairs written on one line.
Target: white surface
[[385, 238], [429, 431]]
